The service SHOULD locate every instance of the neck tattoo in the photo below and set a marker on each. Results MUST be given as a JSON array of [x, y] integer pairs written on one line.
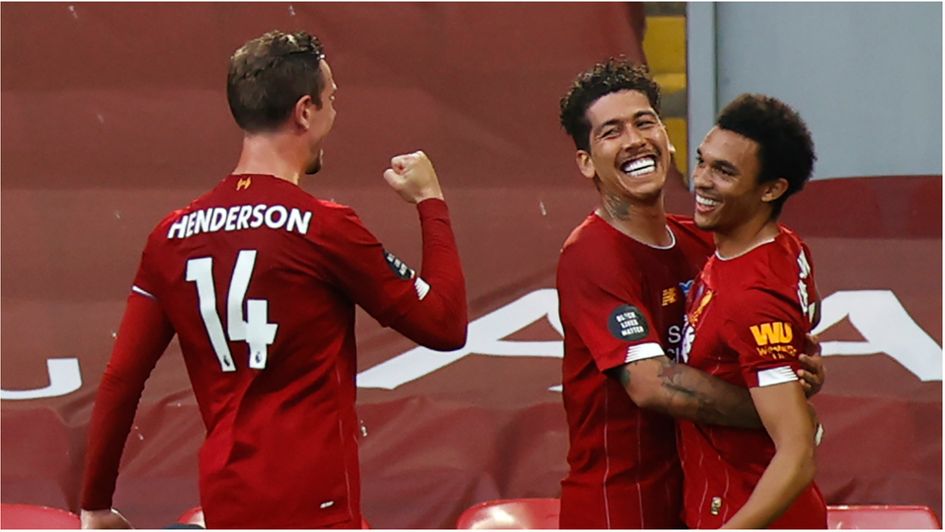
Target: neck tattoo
[[617, 208]]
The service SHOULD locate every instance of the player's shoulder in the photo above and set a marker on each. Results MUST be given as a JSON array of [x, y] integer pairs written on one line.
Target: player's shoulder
[[162, 228], [332, 208], [790, 243], [787, 250], [776, 266], [596, 253], [591, 241], [686, 229]]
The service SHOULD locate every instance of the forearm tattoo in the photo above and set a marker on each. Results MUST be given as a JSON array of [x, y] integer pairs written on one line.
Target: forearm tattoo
[[702, 398]]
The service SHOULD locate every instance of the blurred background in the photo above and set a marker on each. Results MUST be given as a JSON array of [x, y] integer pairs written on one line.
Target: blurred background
[[114, 114]]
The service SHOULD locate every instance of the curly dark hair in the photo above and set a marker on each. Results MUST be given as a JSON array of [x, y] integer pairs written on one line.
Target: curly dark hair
[[613, 75], [786, 148], [269, 74]]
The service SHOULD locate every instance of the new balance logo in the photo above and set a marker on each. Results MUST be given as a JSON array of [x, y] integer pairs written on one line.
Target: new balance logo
[[669, 296], [776, 332], [244, 183]]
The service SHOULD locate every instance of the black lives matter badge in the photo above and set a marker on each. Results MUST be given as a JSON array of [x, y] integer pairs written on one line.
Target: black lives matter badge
[[399, 267], [627, 323]]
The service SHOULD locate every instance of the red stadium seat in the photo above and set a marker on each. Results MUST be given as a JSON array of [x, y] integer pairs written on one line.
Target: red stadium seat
[[30, 516], [881, 517], [194, 516], [512, 514], [543, 514]]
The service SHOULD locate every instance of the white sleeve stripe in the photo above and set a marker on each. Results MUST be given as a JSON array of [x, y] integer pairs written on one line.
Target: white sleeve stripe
[[642, 351], [142, 292], [422, 288], [770, 377]]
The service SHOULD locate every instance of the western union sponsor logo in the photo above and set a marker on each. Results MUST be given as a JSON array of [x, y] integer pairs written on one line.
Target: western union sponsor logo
[[776, 332]]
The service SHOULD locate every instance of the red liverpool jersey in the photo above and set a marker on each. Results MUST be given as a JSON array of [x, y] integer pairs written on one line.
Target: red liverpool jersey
[[746, 323], [619, 301], [259, 281]]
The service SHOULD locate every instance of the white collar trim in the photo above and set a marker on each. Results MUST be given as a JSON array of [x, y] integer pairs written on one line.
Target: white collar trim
[[756, 246]]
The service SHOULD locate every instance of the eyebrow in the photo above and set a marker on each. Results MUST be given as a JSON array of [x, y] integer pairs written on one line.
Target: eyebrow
[[611, 122], [617, 121], [719, 163]]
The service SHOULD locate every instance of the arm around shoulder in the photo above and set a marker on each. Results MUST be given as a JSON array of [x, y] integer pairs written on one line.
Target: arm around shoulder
[[661, 384]]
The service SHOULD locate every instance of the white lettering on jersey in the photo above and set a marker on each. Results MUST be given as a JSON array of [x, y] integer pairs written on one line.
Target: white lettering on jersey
[[688, 337], [802, 297], [255, 330], [674, 337], [240, 217]]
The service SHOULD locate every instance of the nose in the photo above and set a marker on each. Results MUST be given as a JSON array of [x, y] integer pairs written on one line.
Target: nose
[[699, 179], [632, 138]]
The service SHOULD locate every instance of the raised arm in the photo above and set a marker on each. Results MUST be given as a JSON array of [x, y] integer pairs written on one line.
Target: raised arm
[[429, 307], [440, 321]]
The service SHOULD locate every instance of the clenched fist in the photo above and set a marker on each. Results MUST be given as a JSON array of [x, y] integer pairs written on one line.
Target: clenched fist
[[413, 177]]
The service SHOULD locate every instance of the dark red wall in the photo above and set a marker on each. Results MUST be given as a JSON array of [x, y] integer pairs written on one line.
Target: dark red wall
[[114, 114]]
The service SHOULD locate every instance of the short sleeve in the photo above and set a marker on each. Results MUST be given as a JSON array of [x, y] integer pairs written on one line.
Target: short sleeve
[[767, 330], [603, 305], [373, 277]]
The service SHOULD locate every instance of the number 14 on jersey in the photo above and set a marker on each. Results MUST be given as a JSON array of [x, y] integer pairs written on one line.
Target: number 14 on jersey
[[254, 329]]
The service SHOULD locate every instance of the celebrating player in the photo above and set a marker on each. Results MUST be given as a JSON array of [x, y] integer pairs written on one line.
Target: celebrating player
[[746, 318], [622, 280], [259, 279]]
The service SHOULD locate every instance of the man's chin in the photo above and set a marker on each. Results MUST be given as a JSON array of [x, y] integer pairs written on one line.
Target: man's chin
[[646, 191], [645, 194], [703, 222]]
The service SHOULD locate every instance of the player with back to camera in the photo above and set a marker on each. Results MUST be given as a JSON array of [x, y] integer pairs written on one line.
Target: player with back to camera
[[259, 281], [622, 280]]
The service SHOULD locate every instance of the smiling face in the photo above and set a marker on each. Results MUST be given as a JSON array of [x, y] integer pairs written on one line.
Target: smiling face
[[629, 149], [728, 194]]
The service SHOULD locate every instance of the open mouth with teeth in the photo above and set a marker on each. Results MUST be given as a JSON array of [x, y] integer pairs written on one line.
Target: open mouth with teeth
[[704, 204], [640, 166]]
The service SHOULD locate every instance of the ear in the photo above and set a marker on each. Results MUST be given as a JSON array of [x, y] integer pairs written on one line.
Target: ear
[[302, 113], [585, 164], [773, 190]]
